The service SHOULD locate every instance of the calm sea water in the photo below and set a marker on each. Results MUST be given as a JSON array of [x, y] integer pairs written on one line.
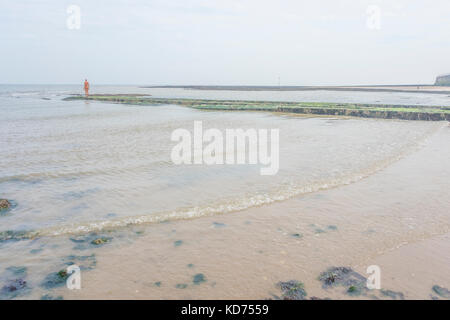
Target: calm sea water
[[82, 166]]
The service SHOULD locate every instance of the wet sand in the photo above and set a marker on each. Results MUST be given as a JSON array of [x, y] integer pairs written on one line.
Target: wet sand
[[397, 218]]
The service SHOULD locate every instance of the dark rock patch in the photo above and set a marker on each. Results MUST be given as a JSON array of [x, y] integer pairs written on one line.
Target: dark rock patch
[[50, 297], [199, 278], [100, 241], [55, 279], [342, 276], [181, 286], [296, 235], [441, 291], [292, 290], [392, 294], [4, 204], [92, 240], [13, 289], [16, 284], [178, 243]]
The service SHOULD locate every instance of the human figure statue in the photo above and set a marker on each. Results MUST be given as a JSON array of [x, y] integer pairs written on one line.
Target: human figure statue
[[86, 88]]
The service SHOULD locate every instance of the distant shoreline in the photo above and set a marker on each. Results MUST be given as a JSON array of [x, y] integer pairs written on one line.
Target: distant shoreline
[[373, 88]]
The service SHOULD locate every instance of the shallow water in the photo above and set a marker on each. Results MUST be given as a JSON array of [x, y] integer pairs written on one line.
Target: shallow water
[[77, 167]]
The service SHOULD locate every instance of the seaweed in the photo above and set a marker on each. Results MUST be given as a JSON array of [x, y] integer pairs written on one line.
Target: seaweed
[[392, 294], [178, 243], [292, 290], [199, 278], [406, 112], [441, 291]]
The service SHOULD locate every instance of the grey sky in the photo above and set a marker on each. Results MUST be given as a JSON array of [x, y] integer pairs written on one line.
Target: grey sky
[[324, 42]]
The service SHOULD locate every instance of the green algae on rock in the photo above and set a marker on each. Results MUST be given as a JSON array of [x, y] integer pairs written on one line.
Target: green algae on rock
[[89, 241], [55, 279], [383, 111], [100, 241]]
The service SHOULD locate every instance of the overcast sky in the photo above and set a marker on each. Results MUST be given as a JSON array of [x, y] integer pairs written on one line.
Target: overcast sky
[[314, 42]]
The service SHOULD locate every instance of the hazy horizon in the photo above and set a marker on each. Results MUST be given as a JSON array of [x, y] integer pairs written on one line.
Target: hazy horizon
[[259, 43]]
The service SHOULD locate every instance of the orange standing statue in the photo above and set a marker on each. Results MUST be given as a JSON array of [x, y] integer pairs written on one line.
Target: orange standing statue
[[86, 87]]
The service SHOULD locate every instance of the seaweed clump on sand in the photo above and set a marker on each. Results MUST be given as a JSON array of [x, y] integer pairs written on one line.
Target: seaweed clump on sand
[[392, 294], [344, 276], [89, 241], [13, 288], [441, 291], [50, 297], [17, 285], [292, 290], [5, 204], [355, 283], [55, 279], [178, 243], [100, 241], [199, 278]]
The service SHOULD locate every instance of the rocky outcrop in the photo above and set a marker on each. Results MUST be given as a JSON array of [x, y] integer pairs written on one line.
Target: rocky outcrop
[[4, 204], [443, 80]]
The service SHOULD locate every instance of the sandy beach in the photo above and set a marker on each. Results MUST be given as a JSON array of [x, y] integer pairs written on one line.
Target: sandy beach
[[387, 221]]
